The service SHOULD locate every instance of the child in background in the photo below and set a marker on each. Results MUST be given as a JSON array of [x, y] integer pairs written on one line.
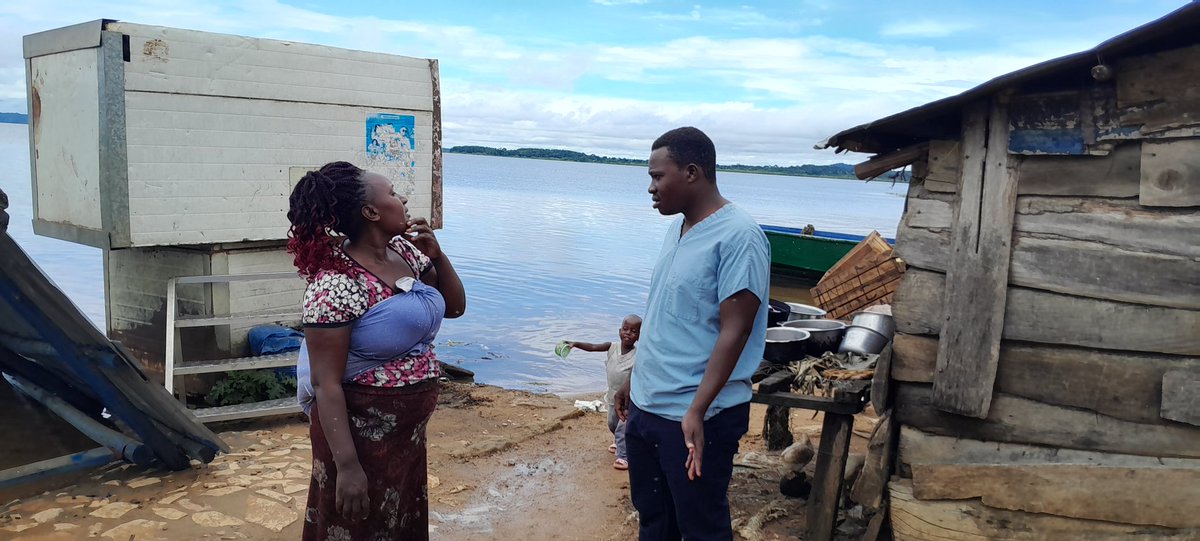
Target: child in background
[[617, 368]]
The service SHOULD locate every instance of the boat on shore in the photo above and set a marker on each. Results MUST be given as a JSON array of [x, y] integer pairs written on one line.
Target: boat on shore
[[808, 254]]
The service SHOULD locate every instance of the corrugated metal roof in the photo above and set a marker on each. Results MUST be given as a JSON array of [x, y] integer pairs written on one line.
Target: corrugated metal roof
[[941, 118], [46, 339]]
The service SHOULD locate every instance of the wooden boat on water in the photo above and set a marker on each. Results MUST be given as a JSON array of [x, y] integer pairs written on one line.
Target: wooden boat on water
[[809, 255]]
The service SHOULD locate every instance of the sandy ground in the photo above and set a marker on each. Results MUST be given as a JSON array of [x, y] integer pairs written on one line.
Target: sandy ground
[[503, 465]]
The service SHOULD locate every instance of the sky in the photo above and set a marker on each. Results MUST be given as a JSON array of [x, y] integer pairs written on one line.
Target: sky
[[766, 80]]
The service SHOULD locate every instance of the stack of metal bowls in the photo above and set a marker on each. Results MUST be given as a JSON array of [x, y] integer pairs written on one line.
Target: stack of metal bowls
[[868, 333], [824, 334]]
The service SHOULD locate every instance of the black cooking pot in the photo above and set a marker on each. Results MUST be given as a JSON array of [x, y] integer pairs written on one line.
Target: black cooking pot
[[824, 334], [777, 312], [785, 344]]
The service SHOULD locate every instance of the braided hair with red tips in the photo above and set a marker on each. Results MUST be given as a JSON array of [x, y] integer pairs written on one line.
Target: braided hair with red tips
[[325, 204]]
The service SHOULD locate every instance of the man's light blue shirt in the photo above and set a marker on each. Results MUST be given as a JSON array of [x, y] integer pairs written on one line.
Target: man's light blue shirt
[[722, 255]]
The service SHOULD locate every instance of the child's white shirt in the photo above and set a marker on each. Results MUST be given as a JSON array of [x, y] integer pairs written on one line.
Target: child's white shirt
[[617, 368]]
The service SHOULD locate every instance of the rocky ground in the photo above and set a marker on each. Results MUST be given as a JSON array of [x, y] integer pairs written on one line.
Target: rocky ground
[[503, 465]]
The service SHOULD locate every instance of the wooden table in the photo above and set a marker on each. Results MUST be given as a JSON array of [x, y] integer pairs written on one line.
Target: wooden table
[[836, 431]]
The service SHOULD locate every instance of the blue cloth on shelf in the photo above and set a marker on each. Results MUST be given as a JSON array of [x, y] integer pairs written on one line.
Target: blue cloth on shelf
[[272, 339]]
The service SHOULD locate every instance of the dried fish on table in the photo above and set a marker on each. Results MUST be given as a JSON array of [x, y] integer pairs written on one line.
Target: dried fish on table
[[819, 373]]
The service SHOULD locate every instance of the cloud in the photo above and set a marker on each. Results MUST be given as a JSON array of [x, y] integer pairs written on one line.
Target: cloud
[[743, 17], [806, 71], [764, 99], [744, 132], [925, 28]]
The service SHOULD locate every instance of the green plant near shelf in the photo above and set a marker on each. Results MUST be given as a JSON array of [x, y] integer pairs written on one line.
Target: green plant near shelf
[[248, 386]]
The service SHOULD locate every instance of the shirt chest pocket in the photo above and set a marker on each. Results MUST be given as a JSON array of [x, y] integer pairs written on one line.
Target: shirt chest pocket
[[683, 299]]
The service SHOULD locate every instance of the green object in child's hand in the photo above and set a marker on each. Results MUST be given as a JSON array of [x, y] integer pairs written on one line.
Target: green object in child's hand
[[562, 350]]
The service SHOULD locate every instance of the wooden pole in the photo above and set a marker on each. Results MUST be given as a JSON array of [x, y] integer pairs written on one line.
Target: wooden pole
[[777, 430], [883, 163], [827, 480]]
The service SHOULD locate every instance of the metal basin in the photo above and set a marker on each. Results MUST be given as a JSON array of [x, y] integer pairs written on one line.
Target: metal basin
[[785, 345], [804, 311], [880, 323], [824, 334], [862, 340]]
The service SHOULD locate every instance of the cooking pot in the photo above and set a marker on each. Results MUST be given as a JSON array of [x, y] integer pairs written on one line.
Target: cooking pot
[[862, 340], [804, 311], [777, 312], [824, 334], [785, 344], [880, 323]]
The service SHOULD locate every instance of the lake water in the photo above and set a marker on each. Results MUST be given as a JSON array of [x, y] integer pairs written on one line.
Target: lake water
[[547, 251]]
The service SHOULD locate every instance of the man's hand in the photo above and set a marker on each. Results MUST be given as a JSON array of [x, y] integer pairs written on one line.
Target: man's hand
[[737, 319], [693, 438], [621, 402]]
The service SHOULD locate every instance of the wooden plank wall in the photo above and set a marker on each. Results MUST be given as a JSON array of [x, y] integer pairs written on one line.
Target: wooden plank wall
[[977, 274], [914, 519], [1093, 431], [1157, 95]]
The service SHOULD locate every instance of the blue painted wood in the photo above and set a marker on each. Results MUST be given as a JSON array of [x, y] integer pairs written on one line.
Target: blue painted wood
[[1057, 142], [1047, 124], [1068, 123]]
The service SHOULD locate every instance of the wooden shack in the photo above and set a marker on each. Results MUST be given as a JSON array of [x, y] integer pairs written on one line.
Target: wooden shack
[[1045, 377]]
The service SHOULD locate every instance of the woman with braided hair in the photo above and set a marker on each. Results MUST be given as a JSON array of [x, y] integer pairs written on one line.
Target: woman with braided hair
[[378, 288]]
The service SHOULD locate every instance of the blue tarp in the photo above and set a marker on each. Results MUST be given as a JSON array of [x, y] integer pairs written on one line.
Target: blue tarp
[[272, 339]]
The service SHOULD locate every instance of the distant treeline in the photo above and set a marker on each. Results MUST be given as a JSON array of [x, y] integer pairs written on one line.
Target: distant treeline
[[14, 118], [544, 154], [837, 170]]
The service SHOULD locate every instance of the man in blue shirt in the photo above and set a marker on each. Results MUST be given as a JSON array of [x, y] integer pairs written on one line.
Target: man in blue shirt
[[688, 401]]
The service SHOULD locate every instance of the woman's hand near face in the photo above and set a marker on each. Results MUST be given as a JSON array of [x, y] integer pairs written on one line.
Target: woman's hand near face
[[441, 274], [424, 239]]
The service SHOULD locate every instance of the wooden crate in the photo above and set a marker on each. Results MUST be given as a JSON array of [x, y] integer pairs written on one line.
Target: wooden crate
[[866, 276]]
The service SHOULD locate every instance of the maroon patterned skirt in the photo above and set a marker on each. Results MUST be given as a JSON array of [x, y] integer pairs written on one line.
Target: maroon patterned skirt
[[388, 426]]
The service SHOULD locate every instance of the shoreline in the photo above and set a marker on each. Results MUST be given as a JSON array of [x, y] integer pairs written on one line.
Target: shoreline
[[503, 464], [720, 169]]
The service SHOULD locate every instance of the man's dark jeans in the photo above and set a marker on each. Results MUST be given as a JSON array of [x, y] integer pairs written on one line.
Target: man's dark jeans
[[670, 506]]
